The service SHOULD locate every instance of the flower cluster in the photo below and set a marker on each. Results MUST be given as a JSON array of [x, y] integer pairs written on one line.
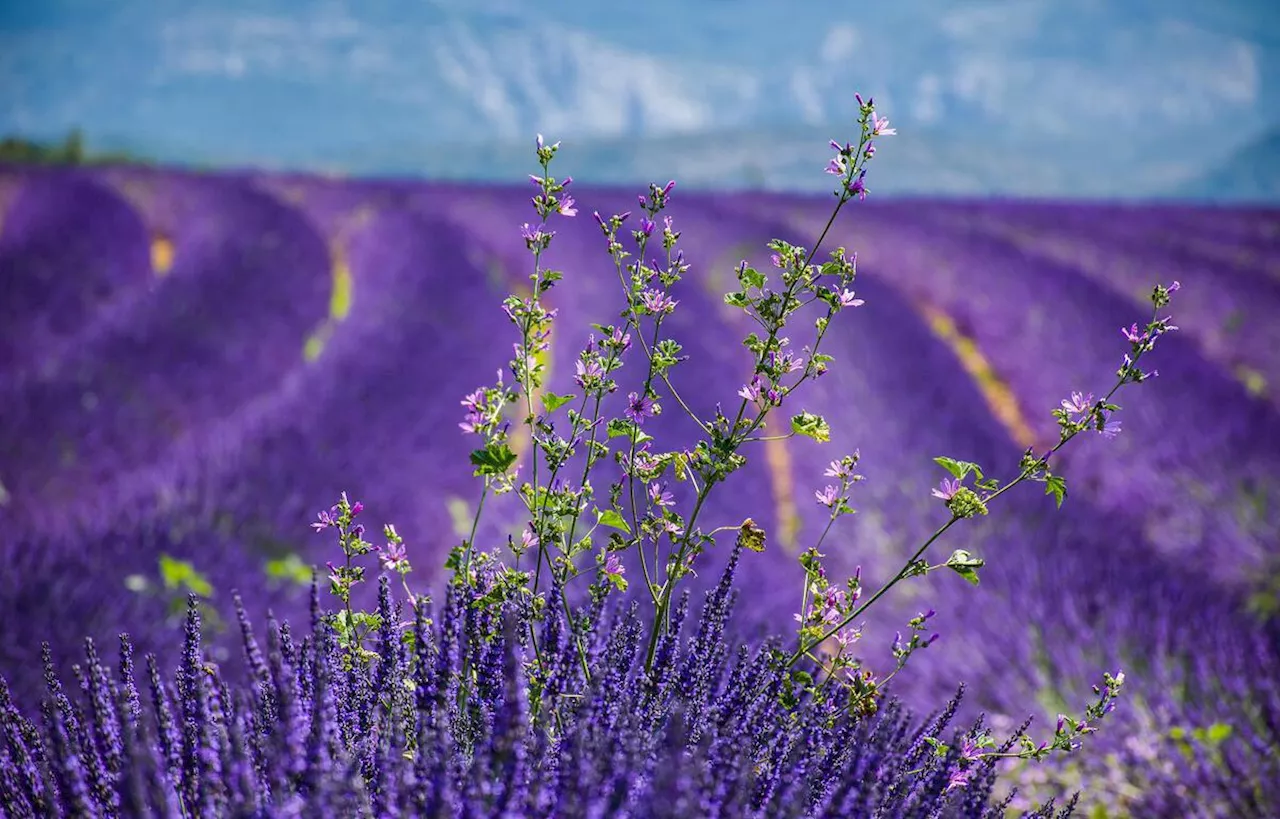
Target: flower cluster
[[443, 720]]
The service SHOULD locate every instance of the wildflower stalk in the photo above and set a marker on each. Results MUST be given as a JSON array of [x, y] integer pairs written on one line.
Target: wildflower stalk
[[1094, 417], [853, 172]]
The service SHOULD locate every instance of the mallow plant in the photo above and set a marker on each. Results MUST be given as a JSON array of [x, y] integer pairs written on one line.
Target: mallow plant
[[568, 672]]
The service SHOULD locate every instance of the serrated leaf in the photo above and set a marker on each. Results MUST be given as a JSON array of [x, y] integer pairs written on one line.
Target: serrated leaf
[[750, 277], [495, 459], [959, 469], [609, 517], [1056, 485], [619, 427], [552, 402], [811, 426]]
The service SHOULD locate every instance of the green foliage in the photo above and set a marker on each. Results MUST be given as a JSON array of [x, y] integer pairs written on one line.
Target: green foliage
[[289, 569], [811, 426], [965, 565], [494, 459], [70, 151]]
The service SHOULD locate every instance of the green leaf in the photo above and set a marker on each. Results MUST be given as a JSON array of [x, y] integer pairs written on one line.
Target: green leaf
[[495, 459], [610, 518], [289, 568], [750, 277], [1056, 485], [178, 573], [1217, 732], [959, 468], [619, 427], [811, 426], [751, 536], [965, 565], [552, 402]]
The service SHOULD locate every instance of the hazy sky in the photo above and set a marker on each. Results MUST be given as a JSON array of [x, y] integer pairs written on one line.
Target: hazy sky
[[361, 86]]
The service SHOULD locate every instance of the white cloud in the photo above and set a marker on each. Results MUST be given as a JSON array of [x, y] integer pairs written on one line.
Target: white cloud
[[839, 44], [926, 104], [995, 22], [805, 94]]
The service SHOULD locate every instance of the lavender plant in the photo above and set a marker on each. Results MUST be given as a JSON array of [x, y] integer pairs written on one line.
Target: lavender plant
[[513, 699]]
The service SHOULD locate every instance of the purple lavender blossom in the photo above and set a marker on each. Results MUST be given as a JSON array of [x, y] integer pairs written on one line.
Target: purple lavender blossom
[[396, 735]]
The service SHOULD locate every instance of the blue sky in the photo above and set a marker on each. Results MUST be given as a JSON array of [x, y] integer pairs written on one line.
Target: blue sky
[[1021, 96]]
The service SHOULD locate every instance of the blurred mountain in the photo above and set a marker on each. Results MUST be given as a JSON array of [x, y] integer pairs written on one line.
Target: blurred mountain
[[1251, 174], [1002, 96]]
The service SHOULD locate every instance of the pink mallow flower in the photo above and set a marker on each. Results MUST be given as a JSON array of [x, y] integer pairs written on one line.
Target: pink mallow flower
[[947, 489], [639, 408], [659, 496], [828, 496], [613, 565], [1078, 403]]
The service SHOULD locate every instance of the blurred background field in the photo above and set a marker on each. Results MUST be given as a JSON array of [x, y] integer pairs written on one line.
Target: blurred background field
[[252, 256]]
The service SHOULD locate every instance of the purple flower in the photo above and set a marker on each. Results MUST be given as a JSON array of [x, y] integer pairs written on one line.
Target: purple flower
[[751, 392], [837, 470], [880, 126], [1110, 428], [620, 340], [590, 372], [644, 461], [1078, 404], [858, 185], [659, 496], [828, 496], [392, 556], [847, 299], [1134, 335], [848, 636], [658, 302], [947, 489], [534, 238], [566, 206], [613, 565], [325, 521], [958, 778], [639, 407]]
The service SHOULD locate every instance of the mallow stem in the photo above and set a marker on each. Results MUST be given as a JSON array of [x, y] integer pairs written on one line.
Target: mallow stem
[[664, 604]]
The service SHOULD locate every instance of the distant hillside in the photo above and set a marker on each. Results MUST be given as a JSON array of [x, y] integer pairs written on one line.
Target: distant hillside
[[1252, 175], [70, 151]]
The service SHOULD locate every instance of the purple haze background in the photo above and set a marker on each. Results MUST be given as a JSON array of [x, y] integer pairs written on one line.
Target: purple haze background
[[193, 364]]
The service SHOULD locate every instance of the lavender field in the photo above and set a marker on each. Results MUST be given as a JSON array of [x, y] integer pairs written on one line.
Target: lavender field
[[192, 365]]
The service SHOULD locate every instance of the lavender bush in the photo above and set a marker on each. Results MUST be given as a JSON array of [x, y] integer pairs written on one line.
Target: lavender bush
[[521, 701]]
